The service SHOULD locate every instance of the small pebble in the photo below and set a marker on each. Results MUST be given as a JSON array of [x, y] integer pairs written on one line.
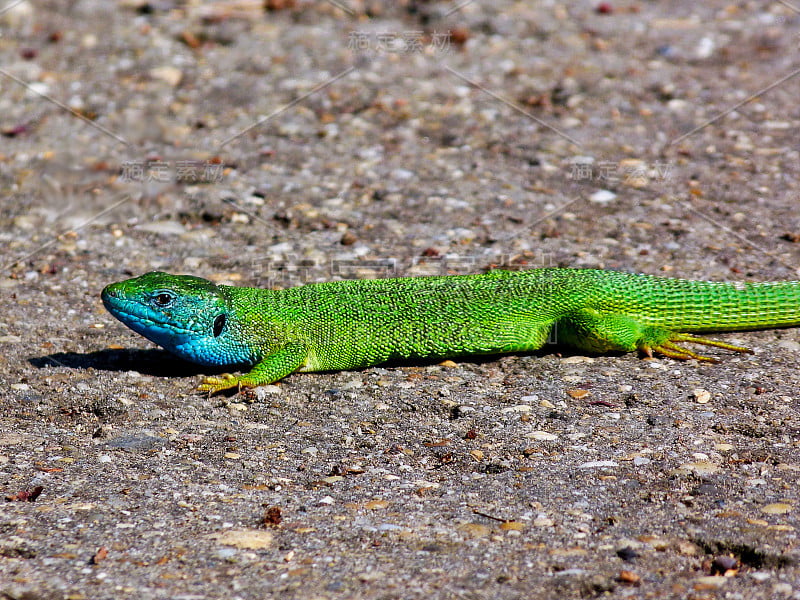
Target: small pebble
[[576, 360], [523, 408], [250, 539], [698, 468], [705, 48], [474, 530], [722, 564], [162, 227], [402, 174], [602, 196], [542, 436], [627, 553], [782, 589], [709, 582], [789, 345], [169, 74], [595, 464], [777, 508], [628, 577]]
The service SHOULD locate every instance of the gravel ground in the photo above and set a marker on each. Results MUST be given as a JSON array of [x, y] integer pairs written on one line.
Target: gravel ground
[[279, 143]]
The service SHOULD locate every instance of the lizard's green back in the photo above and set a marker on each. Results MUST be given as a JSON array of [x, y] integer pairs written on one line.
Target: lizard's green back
[[358, 323]]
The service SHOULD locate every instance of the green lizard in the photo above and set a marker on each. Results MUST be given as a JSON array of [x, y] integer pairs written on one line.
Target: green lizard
[[350, 324]]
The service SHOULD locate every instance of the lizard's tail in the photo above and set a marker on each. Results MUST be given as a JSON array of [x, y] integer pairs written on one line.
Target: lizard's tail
[[696, 306]]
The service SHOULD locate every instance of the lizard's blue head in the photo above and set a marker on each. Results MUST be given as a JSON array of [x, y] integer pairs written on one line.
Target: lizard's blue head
[[186, 315]]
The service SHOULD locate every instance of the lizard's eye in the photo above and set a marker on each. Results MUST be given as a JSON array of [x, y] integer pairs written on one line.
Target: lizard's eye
[[163, 299]]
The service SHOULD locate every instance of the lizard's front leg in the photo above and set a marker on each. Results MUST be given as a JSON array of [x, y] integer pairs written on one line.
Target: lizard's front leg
[[268, 370]]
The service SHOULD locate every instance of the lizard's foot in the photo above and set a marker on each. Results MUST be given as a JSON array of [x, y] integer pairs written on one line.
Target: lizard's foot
[[214, 383], [672, 350]]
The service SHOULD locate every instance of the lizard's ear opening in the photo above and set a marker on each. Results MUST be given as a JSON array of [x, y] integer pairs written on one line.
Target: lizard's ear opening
[[219, 324]]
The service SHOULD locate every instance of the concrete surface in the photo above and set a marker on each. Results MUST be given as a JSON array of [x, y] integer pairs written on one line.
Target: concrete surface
[[318, 140]]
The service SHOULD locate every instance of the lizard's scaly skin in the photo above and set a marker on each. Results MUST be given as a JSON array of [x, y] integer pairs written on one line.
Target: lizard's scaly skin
[[349, 324]]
